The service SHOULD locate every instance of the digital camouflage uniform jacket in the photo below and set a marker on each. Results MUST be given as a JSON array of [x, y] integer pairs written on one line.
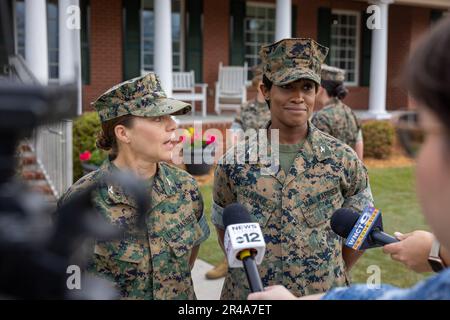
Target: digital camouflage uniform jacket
[[154, 263], [253, 115], [339, 121], [294, 211]]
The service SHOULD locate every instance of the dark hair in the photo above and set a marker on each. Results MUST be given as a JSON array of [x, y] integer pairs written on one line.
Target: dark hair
[[106, 138], [334, 88], [427, 73], [268, 84]]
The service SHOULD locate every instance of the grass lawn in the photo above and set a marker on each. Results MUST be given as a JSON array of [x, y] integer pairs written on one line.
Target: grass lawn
[[394, 193]]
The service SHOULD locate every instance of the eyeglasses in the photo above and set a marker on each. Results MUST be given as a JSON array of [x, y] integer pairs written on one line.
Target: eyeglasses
[[409, 132]]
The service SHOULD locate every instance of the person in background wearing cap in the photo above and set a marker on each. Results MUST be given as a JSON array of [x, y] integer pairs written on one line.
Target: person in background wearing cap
[[318, 174], [428, 82], [254, 114], [138, 131], [335, 118]]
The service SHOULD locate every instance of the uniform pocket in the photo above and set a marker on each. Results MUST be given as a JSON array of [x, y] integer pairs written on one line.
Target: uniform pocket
[[260, 207], [319, 209], [182, 237], [120, 261], [122, 250]]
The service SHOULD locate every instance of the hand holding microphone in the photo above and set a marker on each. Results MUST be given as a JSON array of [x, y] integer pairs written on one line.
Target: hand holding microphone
[[412, 250], [416, 250], [363, 231], [244, 243]]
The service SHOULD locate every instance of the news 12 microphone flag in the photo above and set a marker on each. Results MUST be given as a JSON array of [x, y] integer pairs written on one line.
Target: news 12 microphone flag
[[243, 236]]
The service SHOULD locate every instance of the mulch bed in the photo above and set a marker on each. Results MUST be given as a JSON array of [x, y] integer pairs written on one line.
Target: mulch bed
[[394, 161]]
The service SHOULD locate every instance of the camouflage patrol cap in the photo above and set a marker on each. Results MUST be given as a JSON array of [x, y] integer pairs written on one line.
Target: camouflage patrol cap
[[289, 60], [142, 96], [332, 73]]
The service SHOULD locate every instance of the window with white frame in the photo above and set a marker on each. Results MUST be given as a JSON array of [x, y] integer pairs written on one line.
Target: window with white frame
[[52, 34], [344, 48], [259, 29], [148, 37]]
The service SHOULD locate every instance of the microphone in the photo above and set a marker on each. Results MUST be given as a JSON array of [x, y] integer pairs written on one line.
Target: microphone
[[363, 231], [244, 243]]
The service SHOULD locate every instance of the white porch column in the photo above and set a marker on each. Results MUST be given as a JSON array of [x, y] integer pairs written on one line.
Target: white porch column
[[283, 20], [36, 46], [69, 45], [163, 44], [378, 65]]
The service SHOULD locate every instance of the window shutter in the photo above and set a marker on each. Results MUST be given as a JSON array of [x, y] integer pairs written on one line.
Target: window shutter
[[237, 45], [6, 47], [324, 29], [194, 38], [131, 39], [294, 21], [85, 41]]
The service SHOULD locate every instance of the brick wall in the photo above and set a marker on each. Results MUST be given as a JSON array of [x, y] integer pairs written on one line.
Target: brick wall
[[307, 18], [216, 43], [106, 48], [406, 24], [398, 47], [420, 18]]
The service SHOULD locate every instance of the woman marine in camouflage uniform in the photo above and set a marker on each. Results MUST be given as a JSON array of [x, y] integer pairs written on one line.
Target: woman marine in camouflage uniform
[[293, 203], [336, 118], [137, 128]]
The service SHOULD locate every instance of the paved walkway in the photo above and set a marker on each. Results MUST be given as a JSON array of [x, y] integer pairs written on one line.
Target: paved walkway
[[205, 289]]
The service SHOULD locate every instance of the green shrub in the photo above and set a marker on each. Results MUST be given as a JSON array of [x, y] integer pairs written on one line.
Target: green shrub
[[85, 130], [378, 139]]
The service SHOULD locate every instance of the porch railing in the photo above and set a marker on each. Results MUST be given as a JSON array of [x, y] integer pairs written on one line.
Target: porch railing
[[51, 143], [53, 147]]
